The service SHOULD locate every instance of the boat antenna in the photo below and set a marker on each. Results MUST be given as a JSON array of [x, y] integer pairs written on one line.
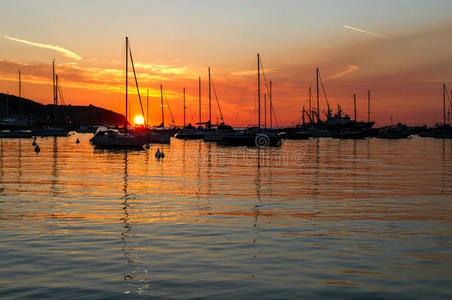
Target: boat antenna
[[354, 104]]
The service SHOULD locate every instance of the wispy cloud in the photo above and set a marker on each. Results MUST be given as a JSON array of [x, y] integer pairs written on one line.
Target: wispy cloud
[[364, 31], [62, 50], [350, 69]]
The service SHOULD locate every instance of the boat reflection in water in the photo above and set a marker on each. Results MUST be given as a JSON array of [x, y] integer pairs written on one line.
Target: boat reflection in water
[[348, 218]]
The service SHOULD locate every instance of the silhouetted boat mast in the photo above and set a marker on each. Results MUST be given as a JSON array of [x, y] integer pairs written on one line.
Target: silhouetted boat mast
[[271, 105], [199, 95], [20, 86], [127, 84], [265, 110], [147, 106], [210, 102], [354, 104], [318, 96], [368, 106], [184, 107], [258, 91], [161, 105], [444, 104]]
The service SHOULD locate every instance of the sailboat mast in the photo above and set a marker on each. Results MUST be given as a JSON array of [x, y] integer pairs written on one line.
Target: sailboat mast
[[161, 104], [127, 83], [20, 95], [302, 114], [368, 106], [53, 80], [444, 104], [199, 96], [258, 91], [210, 102], [265, 110], [310, 108], [354, 104], [147, 106], [271, 105], [184, 107], [56, 89], [56, 98], [318, 107], [20, 86]]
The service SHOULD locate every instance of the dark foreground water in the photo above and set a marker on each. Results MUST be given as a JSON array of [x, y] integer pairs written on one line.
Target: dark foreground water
[[314, 219]]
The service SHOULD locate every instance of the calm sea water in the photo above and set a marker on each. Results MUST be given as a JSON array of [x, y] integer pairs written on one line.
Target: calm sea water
[[313, 219]]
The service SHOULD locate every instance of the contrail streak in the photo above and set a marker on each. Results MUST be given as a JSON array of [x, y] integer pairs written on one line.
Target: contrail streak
[[62, 50], [364, 31], [351, 68]]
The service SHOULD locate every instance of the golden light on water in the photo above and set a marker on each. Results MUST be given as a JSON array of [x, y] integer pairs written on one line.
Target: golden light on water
[[139, 120]]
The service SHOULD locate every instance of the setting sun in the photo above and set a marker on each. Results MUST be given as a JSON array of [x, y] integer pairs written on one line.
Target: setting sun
[[139, 120]]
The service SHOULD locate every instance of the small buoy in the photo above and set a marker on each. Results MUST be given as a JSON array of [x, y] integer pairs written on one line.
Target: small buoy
[[157, 153], [147, 146], [37, 149], [77, 141], [34, 143], [162, 155]]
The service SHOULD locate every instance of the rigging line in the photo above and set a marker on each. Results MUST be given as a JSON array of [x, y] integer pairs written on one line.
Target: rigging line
[[136, 81], [324, 93], [265, 78], [268, 91], [167, 103], [274, 114], [218, 102], [60, 91]]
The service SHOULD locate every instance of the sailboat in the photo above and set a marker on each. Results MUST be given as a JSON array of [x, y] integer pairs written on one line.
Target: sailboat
[[191, 132], [124, 138], [441, 130], [217, 132], [254, 136], [53, 129], [159, 134]]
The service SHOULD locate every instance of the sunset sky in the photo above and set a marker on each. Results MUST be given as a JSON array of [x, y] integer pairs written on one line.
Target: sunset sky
[[401, 50]]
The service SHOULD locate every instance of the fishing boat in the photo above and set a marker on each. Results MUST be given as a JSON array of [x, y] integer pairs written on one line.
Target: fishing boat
[[123, 138], [255, 136]]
